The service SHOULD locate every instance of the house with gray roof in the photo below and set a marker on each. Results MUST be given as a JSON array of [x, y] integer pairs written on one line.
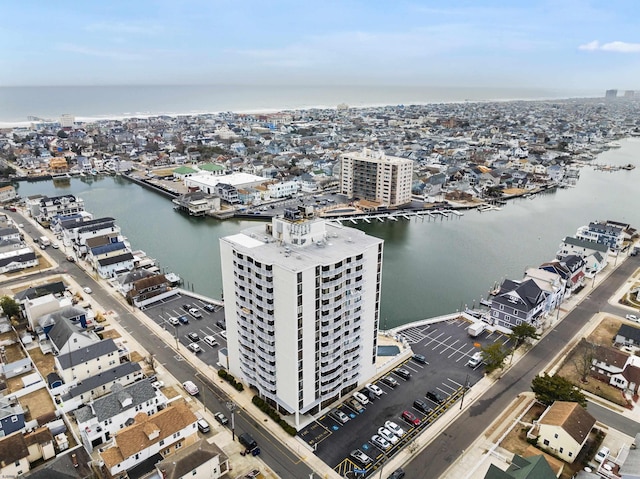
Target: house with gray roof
[[72, 464], [100, 384], [581, 247], [77, 365], [113, 265], [66, 335], [199, 461], [517, 303], [628, 335], [102, 418]]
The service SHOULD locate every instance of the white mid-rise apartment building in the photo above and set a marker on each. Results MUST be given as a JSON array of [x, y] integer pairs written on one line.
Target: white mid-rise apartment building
[[373, 176], [302, 303]]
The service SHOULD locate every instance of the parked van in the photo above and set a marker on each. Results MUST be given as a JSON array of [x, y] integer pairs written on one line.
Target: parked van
[[247, 441], [475, 360], [203, 426]]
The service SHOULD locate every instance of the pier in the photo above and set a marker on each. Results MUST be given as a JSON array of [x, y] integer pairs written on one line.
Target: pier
[[395, 216]]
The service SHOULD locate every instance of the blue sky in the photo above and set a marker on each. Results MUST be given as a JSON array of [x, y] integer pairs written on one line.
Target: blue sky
[[536, 44]]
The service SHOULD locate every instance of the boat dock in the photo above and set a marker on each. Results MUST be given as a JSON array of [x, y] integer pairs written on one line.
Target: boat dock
[[396, 216]]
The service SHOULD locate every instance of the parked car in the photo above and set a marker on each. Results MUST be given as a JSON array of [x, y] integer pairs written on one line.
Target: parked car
[[183, 319], [190, 387], [381, 442], [203, 425], [403, 373], [602, 454], [221, 418], [209, 307], [174, 321], [374, 389], [360, 457], [186, 307], [420, 405], [632, 317], [397, 474], [71, 259], [389, 381], [419, 358], [210, 340], [339, 416], [157, 384], [195, 348], [388, 435], [361, 398], [223, 334], [193, 337], [55, 245], [221, 324], [475, 360], [411, 418], [435, 397], [354, 404], [195, 313], [394, 428], [87, 290]]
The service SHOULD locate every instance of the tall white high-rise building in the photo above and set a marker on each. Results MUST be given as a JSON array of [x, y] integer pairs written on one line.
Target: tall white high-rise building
[[373, 176], [302, 303]]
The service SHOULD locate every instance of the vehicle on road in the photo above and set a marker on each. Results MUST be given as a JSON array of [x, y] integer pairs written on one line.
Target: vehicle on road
[[388, 435], [195, 348], [221, 418], [361, 398], [420, 405], [602, 454], [174, 321], [210, 340], [435, 397], [195, 313], [394, 428], [183, 319], [360, 457], [55, 245], [71, 259], [419, 358], [632, 317], [247, 441], [381, 442], [403, 373], [411, 418], [193, 337], [191, 388], [339, 416], [87, 290], [389, 381], [397, 474], [374, 389]]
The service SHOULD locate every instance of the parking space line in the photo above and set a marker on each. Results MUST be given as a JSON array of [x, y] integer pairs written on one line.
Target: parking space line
[[459, 351], [437, 340], [455, 382], [451, 346], [442, 343]]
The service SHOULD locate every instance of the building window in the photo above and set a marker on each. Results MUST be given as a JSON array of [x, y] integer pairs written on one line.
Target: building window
[[555, 436], [546, 442]]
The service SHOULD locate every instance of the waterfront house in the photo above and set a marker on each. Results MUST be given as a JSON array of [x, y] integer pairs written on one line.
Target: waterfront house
[[201, 460], [150, 289], [584, 248], [77, 234], [103, 417], [197, 203], [111, 266], [551, 283], [563, 429], [628, 336], [603, 233], [517, 303], [43, 208], [8, 193], [158, 436], [570, 268]]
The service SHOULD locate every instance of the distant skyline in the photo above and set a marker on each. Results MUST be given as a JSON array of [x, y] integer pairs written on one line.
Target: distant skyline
[[555, 44]]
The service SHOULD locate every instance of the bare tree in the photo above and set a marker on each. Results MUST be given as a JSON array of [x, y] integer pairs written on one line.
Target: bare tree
[[583, 356]]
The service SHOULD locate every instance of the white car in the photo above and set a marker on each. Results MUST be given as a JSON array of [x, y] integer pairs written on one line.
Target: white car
[[374, 389], [174, 321], [632, 317], [190, 387], [54, 245], [157, 384], [210, 340], [388, 435], [381, 442], [87, 290], [195, 348], [394, 428], [361, 398], [602, 454], [224, 334]]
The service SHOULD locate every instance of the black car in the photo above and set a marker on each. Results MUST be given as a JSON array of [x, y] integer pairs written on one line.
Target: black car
[[435, 397], [397, 474], [221, 418], [193, 337], [419, 358], [221, 324], [186, 307], [403, 373], [389, 381], [420, 405], [183, 319]]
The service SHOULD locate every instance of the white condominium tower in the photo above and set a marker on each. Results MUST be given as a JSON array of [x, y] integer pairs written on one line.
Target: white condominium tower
[[373, 176], [302, 302]]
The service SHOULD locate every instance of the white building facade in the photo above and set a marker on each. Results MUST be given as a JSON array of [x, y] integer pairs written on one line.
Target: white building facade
[[376, 177], [303, 323]]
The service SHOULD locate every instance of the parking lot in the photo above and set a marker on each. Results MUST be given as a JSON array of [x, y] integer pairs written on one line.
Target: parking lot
[[209, 324], [447, 348]]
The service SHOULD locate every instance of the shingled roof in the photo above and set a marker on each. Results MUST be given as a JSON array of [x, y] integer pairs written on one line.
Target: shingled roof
[[571, 417]]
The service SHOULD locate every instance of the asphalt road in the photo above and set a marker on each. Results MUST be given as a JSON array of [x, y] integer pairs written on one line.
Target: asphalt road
[[445, 449]]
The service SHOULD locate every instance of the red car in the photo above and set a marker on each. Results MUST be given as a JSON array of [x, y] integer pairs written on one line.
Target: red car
[[411, 418]]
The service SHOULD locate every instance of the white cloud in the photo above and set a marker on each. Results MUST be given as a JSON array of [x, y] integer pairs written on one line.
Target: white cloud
[[620, 47]]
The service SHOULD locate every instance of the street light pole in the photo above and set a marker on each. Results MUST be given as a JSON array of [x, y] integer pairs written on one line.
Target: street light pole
[[466, 385], [232, 407]]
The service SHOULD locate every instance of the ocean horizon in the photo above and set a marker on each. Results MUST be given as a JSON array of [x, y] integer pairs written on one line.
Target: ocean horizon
[[89, 103]]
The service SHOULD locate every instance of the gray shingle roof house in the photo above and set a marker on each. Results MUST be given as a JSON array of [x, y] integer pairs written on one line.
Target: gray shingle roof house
[[627, 335], [98, 385], [65, 336], [518, 302]]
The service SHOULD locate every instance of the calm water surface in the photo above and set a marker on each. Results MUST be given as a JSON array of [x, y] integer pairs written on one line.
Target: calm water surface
[[430, 267]]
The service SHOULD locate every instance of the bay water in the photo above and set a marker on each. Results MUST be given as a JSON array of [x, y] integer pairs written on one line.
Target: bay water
[[431, 267]]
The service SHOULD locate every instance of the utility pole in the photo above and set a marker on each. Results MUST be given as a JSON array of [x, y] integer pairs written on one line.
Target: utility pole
[[466, 386], [232, 407]]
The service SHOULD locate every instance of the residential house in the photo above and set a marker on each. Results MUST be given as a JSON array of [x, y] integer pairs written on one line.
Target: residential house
[[70, 464], [629, 379], [164, 433], [43, 208], [603, 233], [584, 248], [147, 288], [86, 362], [96, 386], [77, 235], [14, 455], [570, 268], [17, 259], [40, 444], [10, 234], [607, 361], [517, 303], [8, 193], [563, 429], [126, 282], [201, 460], [65, 334], [11, 416], [630, 469], [112, 266], [99, 420], [551, 283], [535, 467], [197, 203], [628, 335]]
